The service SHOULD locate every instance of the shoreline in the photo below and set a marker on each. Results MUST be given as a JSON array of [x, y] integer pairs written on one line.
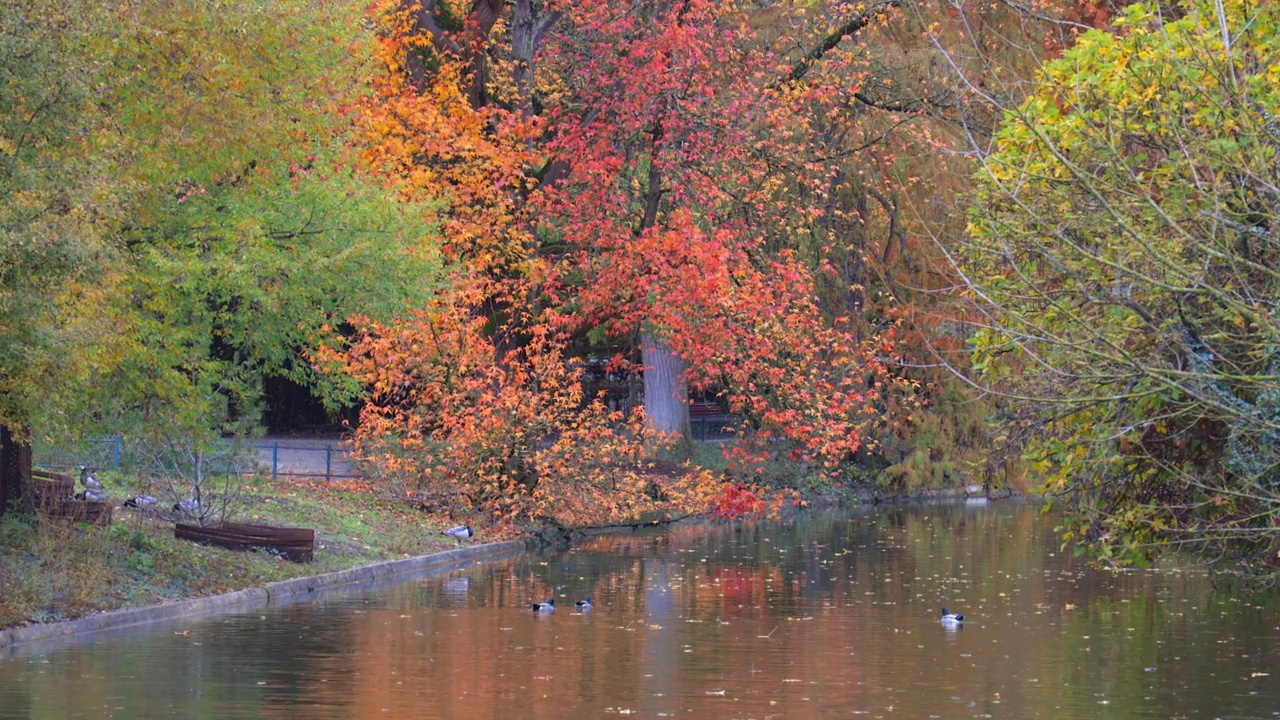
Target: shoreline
[[45, 636]]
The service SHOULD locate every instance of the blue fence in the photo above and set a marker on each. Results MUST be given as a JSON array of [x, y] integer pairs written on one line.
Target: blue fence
[[277, 458], [287, 457]]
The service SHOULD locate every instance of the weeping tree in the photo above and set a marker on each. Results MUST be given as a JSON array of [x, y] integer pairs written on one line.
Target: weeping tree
[[1124, 255]]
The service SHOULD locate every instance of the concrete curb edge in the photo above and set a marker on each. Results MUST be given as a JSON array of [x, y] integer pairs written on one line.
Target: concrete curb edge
[[271, 594]]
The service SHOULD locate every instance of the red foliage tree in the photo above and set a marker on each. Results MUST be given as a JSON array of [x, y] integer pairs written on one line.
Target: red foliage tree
[[666, 177]]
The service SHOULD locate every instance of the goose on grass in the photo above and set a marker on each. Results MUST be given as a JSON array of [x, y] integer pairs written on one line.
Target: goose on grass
[[89, 481]]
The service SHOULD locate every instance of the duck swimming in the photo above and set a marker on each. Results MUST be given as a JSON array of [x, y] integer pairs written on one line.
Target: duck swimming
[[584, 603], [548, 606], [951, 618]]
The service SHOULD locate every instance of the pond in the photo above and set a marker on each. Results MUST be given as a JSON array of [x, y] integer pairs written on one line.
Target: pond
[[819, 616]]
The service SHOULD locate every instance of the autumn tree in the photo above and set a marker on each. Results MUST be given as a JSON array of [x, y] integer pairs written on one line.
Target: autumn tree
[[739, 197], [1123, 254], [629, 179], [56, 263], [693, 168]]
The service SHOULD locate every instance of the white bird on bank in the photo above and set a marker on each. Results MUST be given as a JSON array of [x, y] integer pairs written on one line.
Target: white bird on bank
[[459, 533], [94, 495]]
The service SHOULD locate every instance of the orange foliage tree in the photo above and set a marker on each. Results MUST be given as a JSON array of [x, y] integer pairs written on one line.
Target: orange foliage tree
[[449, 426]]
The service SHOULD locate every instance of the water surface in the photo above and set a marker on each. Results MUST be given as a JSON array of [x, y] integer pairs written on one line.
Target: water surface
[[822, 616]]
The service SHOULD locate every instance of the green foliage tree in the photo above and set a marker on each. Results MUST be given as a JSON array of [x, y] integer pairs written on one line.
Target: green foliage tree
[[56, 263], [180, 215], [1124, 251], [250, 237]]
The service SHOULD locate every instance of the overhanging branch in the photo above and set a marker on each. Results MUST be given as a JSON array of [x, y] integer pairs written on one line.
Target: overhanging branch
[[834, 38]]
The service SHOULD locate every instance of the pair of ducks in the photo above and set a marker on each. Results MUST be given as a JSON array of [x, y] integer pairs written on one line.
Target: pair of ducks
[[93, 489], [464, 532], [550, 605]]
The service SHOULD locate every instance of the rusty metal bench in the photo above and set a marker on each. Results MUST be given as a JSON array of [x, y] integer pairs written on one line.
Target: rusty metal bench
[[296, 544]]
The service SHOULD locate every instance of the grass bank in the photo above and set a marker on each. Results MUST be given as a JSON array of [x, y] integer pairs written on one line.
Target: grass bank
[[52, 571]]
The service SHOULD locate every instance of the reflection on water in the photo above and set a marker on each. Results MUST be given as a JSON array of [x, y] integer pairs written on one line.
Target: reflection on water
[[822, 616]]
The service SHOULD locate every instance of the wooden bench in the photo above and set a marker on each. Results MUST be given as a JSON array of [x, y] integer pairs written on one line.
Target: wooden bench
[[703, 409], [704, 415], [51, 486], [55, 496]]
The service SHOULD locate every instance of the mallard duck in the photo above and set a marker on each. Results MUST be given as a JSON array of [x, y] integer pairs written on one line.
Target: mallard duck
[[951, 618], [459, 533], [584, 603], [548, 606]]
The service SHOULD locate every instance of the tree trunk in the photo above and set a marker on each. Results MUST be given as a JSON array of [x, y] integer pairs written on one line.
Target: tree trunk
[[666, 394], [15, 471], [529, 26]]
